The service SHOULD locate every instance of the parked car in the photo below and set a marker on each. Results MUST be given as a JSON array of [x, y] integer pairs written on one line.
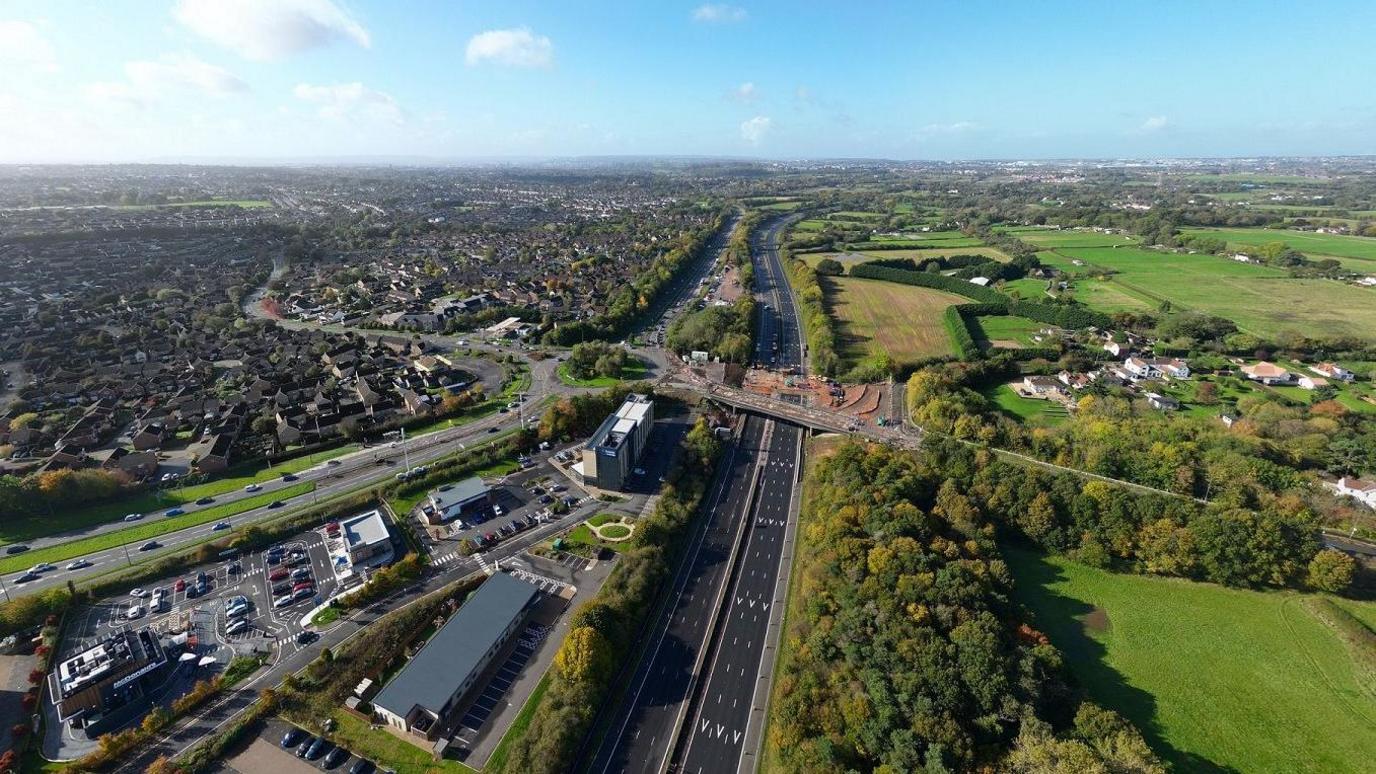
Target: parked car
[[235, 568], [79, 564], [174, 512], [303, 593], [335, 757], [278, 574], [306, 745], [133, 516], [139, 592], [361, 766], [180, 585], [301, 573], [305, 584], [18, 548], [237, 625], [281, 588], [281, 602], [291, 738], [332, 528], [150, 545], [134, 612]]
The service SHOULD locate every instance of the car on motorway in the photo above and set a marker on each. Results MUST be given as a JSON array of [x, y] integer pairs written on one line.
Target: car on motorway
[[42, 567], [305, 745], [335, 757], [220, 525], [79, 564], [278, 574], [252, 488], [27, 577], [150, 545], [205, 501], [288, 476], [133, 516], [174, 512], [276, 504], [332, 463], [301, 573], [237, 625], [18, 548], [292, 737]]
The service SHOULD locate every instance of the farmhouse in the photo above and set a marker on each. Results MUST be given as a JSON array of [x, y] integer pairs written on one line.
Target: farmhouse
[[1333, 371], [417, 702], [1268, 373], [1365, 491]]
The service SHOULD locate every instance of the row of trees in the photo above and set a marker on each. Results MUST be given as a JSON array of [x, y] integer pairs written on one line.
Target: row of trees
[[817, 324], [602, 633], [903, 651]]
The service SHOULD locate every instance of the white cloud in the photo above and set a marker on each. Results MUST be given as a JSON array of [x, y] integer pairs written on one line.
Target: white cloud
[[22, 44], [147, 81], [270, 29], [746, 92], [1153, 124], [517, 47], [754, 130], [958, 127], [719, 13], [350, 100]]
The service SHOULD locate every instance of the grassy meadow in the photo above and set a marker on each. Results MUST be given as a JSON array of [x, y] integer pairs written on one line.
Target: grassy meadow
[[903, 320], [1336, 245], [1007, 331], [1217, 679]]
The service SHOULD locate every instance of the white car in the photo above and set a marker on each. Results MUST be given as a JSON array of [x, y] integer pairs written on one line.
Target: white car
[[135, 611], [140, 593], [133, 517], [236, 626], [41, 567], [252, 488], [79, 564]]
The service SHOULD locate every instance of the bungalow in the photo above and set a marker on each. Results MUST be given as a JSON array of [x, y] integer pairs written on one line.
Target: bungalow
[[1333, 371], [1268, 373], [1162, 402], [1365, 491], [1312, 382], [1041, 386]]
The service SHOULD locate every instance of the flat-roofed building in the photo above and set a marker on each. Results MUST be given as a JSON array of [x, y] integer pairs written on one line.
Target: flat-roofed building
[[108, 674], [434, 682], [451, 501], [365, 536], [613, 450]]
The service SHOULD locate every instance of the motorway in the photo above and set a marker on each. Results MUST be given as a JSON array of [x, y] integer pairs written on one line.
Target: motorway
[[704, 656]]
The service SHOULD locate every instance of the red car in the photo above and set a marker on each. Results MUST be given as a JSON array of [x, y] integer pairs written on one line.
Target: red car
[[181, 584], [303, 585], [332, 528], [278, 574]]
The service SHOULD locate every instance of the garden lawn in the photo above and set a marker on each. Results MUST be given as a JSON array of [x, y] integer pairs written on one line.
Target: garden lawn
[[1002, 330], [1029, 410], [1217, 679], [1260, 299], [904, 321], [151, 503], [388, 751], [1307, 242], [152, 526]]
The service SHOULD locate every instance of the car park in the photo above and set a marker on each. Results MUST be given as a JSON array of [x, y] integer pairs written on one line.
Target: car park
[[133, 516], [150, 545], [79, 564], [174, 512], [291, 738], [220, 525]]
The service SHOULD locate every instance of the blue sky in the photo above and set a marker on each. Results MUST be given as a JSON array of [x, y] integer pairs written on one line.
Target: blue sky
[[134, 80]]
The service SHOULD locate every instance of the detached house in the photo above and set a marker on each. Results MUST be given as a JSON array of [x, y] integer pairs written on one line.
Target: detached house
[[1333, 371], [1365, 491], [1268, 373]]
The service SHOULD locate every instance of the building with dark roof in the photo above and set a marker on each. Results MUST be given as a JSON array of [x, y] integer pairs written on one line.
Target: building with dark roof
[[435, 680], [454, 500], [107, 675]]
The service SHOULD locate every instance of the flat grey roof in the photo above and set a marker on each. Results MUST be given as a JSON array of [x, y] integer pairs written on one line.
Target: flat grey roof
[[365, 529], [432, 676], [458, 492]]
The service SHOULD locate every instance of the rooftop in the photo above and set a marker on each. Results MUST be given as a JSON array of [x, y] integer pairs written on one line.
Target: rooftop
[[458, 492], [365, 529], [458, 648]]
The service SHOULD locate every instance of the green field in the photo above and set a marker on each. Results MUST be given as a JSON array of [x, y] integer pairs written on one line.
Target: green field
[[635, 370], [1007, 331], [850, 258], [903, 320], [1108, 296], [149, 528], [1057, 239], [1309, 243], [1029, 410], [1260, 299], [19, 530], [1217, 679]]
